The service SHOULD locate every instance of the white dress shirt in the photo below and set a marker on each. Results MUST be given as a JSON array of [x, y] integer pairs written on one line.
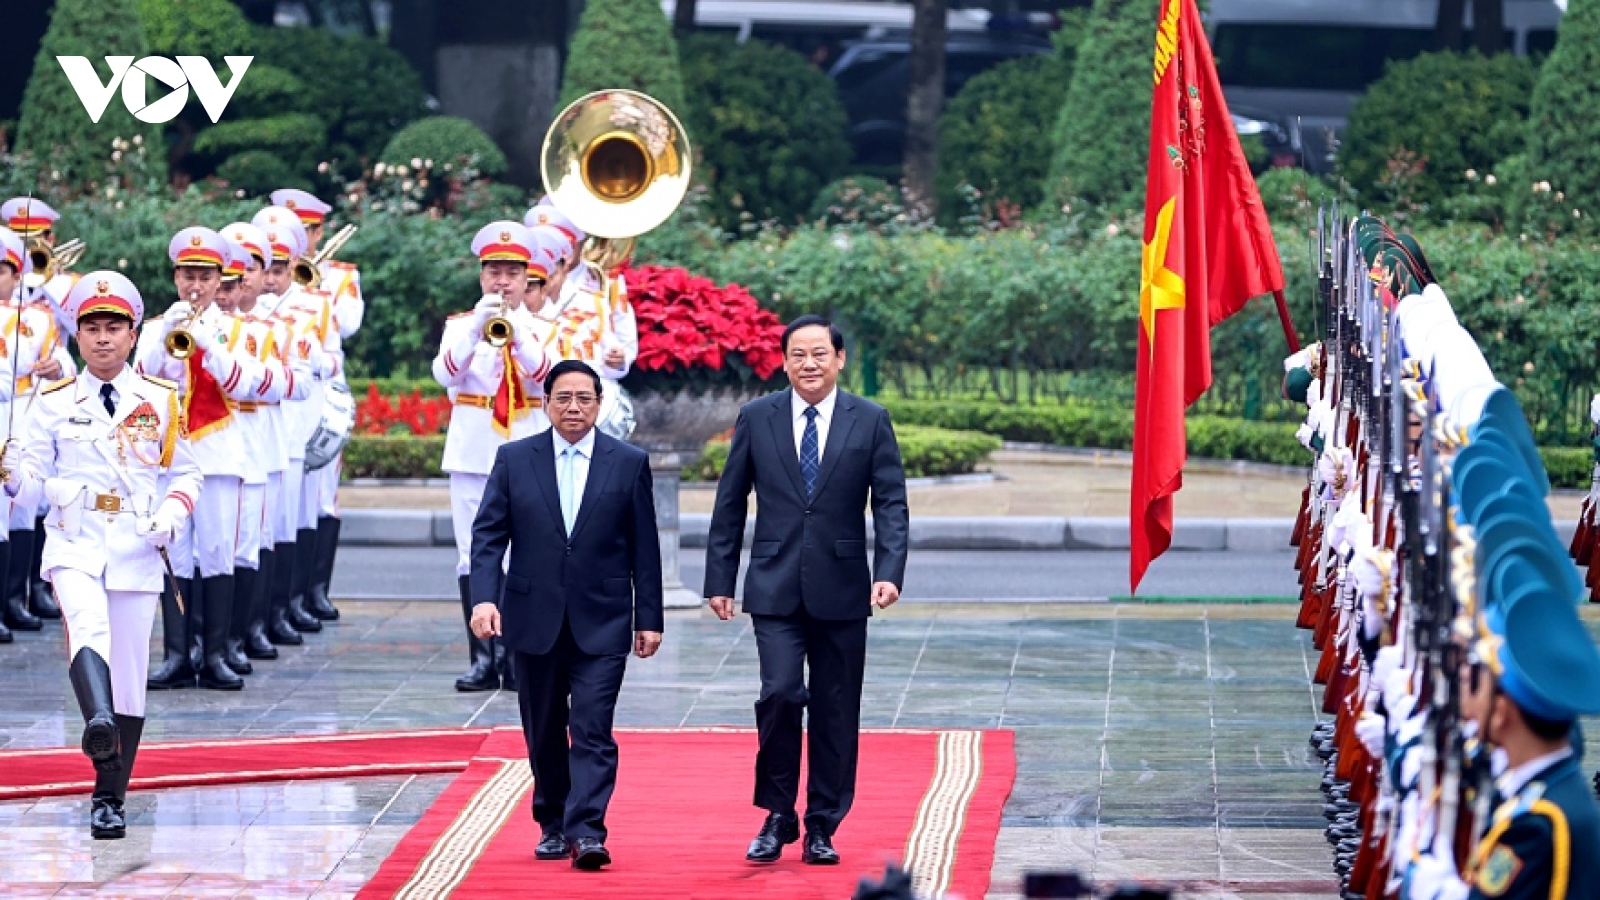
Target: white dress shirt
[[580, 464], [798, 407], [1511, 782]]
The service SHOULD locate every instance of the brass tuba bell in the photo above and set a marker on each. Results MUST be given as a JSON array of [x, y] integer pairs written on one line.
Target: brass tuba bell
[[616, 163]]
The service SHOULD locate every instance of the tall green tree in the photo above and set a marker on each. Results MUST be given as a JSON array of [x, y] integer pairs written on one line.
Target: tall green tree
[[1564, 119], [1102, 132], [624, 44], [54, 126]]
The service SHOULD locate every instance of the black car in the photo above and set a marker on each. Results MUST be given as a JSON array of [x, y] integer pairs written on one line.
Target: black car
[[874, 79]]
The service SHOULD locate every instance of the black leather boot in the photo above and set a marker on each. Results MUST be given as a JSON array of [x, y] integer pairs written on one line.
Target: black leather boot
[[91, 682], [176, 671], [215, 674], [481, 674], [305, 559], [318, 602], [17, 617], [40, 597], [281, 631], [257, 644], [106, 820], [244, 587]]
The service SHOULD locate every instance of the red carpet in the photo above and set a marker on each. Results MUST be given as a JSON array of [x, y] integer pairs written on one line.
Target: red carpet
[[65, 770], [681, 818]]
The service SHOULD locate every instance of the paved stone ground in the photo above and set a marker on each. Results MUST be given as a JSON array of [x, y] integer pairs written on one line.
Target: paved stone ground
[[1032, 483], [1154, 741]]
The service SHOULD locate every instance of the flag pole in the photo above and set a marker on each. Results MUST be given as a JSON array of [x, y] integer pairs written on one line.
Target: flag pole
[[1288, 323]]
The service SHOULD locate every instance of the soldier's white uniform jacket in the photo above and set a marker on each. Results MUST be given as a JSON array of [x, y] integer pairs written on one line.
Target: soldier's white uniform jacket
[[315, 344], [18, 362], [102, 474], [257, 339], [221, 448], [470, 371], [342, 282], [294, 376], [590, 318]]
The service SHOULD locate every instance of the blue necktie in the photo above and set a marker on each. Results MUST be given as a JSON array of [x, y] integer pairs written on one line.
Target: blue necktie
[[569, 499], [810, 463]]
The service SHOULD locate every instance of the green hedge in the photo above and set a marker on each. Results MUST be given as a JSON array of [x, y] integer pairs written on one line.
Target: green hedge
[[1568, 467], [925, 451], [1081, 425], [393, 456]]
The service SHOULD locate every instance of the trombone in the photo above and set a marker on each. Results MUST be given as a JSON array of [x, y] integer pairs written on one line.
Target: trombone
[[48, 261], [308, 272]]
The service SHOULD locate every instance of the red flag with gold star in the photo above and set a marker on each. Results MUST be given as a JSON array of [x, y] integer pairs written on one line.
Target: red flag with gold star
[[1207, 250]]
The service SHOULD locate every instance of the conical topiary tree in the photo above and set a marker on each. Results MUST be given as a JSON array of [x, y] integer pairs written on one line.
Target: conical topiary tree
[[624, 44], [54, 126], [1564, 125], [1102, 134]]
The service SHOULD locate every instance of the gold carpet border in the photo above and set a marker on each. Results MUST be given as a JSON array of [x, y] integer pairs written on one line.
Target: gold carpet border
[[942, 815], [457, 850]]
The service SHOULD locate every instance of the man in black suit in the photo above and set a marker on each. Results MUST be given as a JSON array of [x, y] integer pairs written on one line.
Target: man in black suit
[[583, 587], [814, 455]]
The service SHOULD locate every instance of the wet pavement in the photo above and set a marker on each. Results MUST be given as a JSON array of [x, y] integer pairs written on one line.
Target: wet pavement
[[1157, 741]]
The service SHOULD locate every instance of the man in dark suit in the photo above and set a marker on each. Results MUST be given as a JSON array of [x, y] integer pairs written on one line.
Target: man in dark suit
[[583, 587], [815, 455]]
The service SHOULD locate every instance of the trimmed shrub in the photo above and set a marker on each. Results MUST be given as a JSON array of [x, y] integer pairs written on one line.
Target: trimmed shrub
[[393, 456], [1102, 131], [989, 135], [259, 172], [54, 126], [1568, 467], [867, 201], [926, 452], [1564, 125], [767, 127], [1449, 112], [296, 138], [445, 139], [624, 44]]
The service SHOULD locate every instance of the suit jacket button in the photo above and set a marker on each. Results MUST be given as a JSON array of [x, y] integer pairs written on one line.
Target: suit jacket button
[[808, 512]]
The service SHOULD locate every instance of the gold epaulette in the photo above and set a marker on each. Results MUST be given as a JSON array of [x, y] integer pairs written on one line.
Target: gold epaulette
[[58, 385], [458, 316], [341, 265], [161, 382]]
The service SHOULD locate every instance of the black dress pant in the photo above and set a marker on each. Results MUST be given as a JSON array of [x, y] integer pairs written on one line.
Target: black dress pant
[[561, 693], [837, 652]]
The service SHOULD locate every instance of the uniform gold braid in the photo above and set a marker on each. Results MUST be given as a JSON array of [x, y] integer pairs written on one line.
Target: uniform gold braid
[[175, 428]]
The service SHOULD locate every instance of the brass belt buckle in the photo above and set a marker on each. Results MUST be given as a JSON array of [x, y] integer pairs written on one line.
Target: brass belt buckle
[[110, 503]]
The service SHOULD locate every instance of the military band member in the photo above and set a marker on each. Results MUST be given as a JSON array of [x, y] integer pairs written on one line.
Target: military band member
[[107, 451], [211, 375], [496, 396], [268, 339], [594, 320], [14, 366], [342, 282], [308, 317], [1532, 672]]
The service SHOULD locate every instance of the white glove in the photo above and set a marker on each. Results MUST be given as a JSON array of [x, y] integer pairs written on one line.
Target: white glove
[[490, 306], [1433, 877], [1303, 434], [1397, 688], [11, 462], [176, 313], [1369, 730], [161, 529], [1337, 468], [1594, 409], [1314, 393], [1384, 665]]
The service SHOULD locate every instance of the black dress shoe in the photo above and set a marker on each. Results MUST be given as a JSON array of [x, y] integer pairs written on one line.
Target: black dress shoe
[[552, 846], [105, 818], [818, 850], [589, 854], [777, 830]]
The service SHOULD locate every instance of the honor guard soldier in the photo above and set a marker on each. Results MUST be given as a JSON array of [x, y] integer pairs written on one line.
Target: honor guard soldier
[[342, 282], [189, 346], [491, 362], [1531, 673], [268, 339], [35, 222], [309, 314], [593, 319], [108, 453]]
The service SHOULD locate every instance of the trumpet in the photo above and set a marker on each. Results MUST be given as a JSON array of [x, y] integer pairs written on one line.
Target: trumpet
[[48, 261], [497, 332], [308, 272], [180, 342]]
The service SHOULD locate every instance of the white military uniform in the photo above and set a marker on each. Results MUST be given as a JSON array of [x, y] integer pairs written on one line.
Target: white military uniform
[[590, 318], [101, 473], [308, 316], [342, 282]]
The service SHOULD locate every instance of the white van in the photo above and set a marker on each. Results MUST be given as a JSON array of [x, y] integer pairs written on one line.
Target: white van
[[1305, 62]]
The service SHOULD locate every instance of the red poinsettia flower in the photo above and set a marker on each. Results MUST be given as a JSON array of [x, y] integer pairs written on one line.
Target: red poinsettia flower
[[688, 322]]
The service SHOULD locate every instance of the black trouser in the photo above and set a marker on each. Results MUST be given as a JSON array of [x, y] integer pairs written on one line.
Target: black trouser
[[837, 651], [572, 784]]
